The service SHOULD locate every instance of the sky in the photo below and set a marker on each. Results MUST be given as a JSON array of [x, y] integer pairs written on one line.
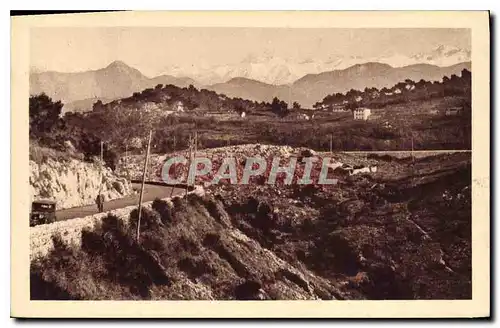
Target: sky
[[154, 50]]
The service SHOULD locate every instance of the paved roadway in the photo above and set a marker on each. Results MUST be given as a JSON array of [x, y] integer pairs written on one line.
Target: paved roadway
[[150, 193]]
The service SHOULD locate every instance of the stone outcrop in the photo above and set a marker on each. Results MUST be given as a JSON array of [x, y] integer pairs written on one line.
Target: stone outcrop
[[74, 183], [70, 231], [132, 166]]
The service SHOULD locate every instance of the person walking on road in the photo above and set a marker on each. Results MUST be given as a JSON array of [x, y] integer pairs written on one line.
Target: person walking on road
[[100, 202]]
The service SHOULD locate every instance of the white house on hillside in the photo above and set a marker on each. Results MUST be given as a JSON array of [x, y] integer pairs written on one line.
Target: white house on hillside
[[453, 111], [179, 106], [302, 116], [337, 108], [361, 113]]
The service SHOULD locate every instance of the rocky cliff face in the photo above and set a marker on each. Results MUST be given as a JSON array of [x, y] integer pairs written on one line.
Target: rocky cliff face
[[74, 183]]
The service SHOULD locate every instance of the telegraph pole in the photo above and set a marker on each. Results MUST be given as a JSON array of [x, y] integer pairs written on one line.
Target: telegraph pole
[[331, 143], [412, 149], [142, 186], [126, 160], [190, 143], [102, 151], [195, 142], [101, 167]]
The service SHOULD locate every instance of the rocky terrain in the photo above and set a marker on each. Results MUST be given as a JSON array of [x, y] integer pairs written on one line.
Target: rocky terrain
[[72, 183], [403, 232], [132, 166], [399, 235]]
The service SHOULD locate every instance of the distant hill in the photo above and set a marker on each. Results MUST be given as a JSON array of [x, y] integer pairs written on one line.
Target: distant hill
[[314, 87], [83, 105], [248, 89], [117, 80]]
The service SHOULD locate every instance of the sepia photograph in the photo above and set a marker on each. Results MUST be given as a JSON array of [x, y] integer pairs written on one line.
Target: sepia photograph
[[233, 162]]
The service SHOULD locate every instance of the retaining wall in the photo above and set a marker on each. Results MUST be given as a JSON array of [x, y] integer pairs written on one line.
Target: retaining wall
[[71, 230]]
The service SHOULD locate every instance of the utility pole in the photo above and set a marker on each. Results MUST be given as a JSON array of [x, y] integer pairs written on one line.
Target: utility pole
[[125, 161], [142, 186], [195, 142], [102, 151], [190, 144], [412, 149], [331, 143], [412, 163]]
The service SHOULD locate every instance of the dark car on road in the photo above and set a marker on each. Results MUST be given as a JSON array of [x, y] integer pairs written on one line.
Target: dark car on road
[[42, 212]]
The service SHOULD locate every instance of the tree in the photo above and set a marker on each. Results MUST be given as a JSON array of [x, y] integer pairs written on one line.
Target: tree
[[98, 105], [352, 94], [296, 106], [239, 108], [420, 84], [466, 74], [400, 85], [190, 103], [352, 106], [278, 107], [467, 79], [44, 115]]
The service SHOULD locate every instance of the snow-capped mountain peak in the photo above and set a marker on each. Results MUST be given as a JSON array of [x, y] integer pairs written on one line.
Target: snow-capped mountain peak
[[268, 68], [443, 55]]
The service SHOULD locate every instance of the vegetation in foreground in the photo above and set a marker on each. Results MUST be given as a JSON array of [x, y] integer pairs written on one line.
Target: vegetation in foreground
[[382, 236]]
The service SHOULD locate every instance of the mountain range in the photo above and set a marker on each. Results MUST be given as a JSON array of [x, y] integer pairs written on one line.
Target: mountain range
[[118, 80], [314, 87], [272, 69]]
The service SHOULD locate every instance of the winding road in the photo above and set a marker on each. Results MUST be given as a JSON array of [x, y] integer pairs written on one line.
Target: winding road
[[151, 191]]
